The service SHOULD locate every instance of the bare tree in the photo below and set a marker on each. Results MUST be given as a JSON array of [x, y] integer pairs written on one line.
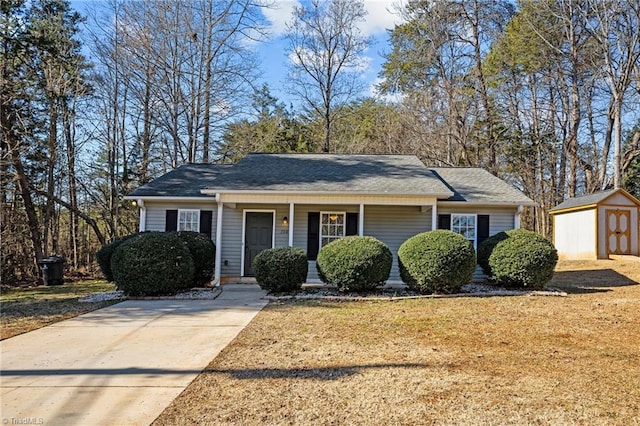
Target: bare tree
[[326, 49], [614, 24]]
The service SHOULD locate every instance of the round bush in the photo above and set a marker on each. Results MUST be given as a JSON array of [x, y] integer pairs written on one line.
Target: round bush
[[437, 261], [355, 263], [485, 249], [103, 256], [203, 252], [523, 259], [281, 269], [153, 264]]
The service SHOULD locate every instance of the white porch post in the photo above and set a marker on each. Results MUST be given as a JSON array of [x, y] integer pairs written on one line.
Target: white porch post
[[361, 220], [291, 208], [434, 216], [218, 261], [143, 216], [516, 218]]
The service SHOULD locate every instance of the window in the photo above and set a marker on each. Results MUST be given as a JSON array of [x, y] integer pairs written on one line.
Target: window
[[332, 227], [189, 220], [465, 225]]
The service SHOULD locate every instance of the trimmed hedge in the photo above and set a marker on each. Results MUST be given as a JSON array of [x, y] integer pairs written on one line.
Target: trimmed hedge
[[154, 264], [103, 256], [486, 247], [438, 261], [203, 252], [522, 259], [281, 269], [355, 263]]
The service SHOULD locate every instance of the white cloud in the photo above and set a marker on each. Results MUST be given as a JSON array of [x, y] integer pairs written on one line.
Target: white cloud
[[362, 64], [382, 15], [278, 13], [374, 92]]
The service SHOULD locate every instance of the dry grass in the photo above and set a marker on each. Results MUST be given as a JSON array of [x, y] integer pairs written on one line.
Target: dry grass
[[25, 309], [485, 361]]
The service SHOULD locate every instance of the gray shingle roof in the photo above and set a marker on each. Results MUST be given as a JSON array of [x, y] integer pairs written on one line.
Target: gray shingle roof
[[185, 181], [330, 173], [584, 200], [374, 174], [474, 185]]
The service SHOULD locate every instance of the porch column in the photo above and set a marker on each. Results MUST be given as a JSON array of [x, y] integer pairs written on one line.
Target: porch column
[[291, 208], [218, 261], [143, 216], [434, 216], [516, 217], [361, 221]]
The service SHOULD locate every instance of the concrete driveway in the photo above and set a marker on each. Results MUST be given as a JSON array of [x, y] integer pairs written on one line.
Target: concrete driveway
[[121, 365]]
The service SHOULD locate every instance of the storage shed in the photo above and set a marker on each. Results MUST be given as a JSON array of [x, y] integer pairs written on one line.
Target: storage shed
[[597, 225]]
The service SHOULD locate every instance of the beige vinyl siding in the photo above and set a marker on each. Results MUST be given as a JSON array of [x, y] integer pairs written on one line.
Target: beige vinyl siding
[[499, 219], [393, 225], [156, 214]]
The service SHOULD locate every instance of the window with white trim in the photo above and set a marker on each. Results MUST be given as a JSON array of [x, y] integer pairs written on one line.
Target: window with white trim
[[465, 225], [332, 227], [189, 220]]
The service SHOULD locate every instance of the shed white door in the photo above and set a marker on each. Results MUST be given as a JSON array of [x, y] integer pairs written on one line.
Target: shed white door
[[618, 231]]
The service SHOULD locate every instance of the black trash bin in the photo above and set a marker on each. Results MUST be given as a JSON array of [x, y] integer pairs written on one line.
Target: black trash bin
[[52, 270]]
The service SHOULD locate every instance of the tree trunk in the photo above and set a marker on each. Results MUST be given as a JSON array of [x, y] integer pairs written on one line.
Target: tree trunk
[[71, 176]]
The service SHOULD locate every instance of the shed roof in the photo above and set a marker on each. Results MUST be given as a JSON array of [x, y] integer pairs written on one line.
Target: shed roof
[[589, 200], [478, 186]]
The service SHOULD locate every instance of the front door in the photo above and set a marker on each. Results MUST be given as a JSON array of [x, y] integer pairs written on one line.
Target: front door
[[618, 231], [258, 236]]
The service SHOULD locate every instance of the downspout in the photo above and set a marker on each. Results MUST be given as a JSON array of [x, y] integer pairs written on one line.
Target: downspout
[[218, 261], [516, 218], [143, 216]]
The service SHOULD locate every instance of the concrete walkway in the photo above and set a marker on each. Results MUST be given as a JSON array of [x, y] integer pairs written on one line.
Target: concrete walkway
[[121, 365]]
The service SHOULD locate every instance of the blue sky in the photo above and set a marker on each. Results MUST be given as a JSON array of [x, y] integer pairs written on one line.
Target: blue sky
[[381, 16]]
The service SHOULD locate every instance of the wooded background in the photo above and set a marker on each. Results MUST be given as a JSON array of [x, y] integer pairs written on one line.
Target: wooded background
[[544, 94]]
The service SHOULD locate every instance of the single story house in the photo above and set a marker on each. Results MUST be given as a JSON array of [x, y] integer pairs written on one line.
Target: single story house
[[596, 225], [309, 200]]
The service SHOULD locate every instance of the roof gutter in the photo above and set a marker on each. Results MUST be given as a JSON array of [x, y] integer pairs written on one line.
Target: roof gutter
[[487, 204], [207, 191]]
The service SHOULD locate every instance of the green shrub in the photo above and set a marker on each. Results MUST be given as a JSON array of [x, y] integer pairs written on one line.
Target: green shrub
[[281, 269], [485, 249], [523, 259], [103, 256], [203, 252], [153, 264], [437, 261], [355, 263]]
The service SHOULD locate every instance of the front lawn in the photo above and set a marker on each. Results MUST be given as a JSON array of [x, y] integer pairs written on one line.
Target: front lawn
[[496, 360], [28, 308]]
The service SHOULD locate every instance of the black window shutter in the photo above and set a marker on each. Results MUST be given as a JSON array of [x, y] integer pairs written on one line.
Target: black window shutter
[[352, 224], [483, 227], [444, 221], [171, 221], [206, 217], [313, 235]]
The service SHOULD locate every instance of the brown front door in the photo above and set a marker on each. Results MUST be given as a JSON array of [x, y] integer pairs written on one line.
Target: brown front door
[[258, 236], [618, 231]]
